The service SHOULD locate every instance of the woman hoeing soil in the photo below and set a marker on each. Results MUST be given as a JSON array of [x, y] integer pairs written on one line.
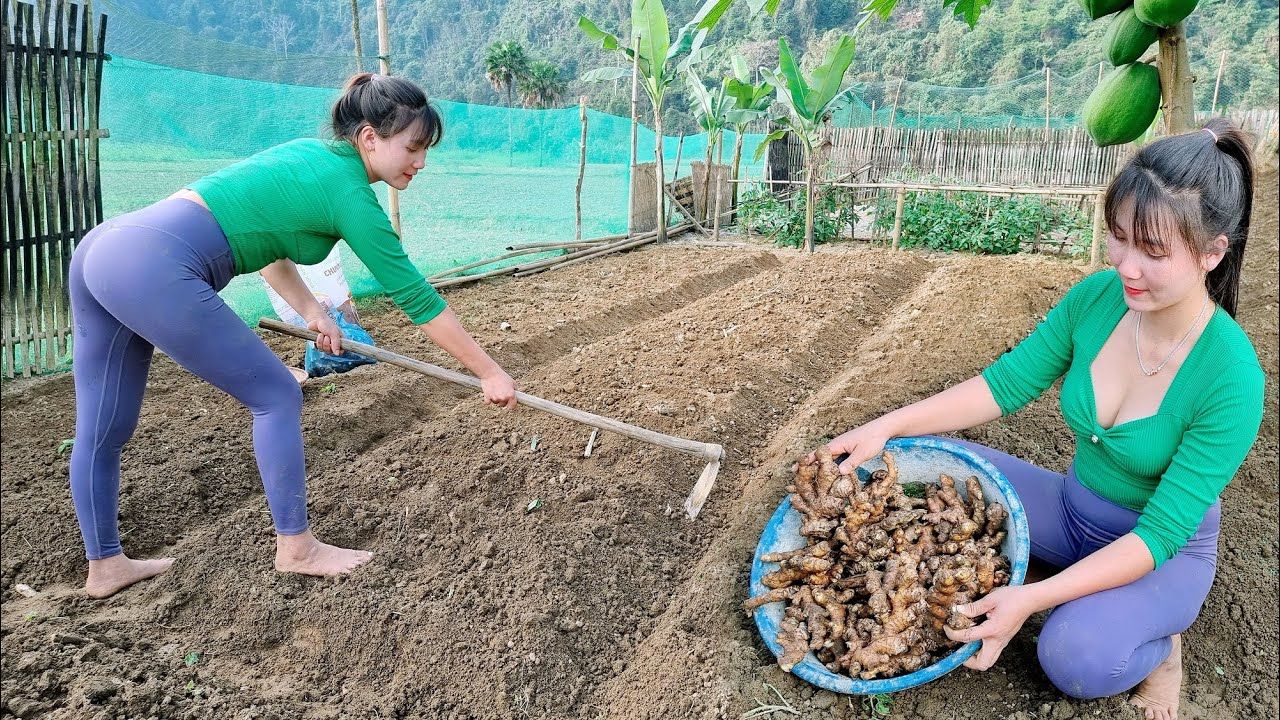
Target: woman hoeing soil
[[149, 279], [1163, 392]]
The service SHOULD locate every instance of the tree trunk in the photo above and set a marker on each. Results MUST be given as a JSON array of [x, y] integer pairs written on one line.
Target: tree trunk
[[661, 173], [706, 181], [737, 159], [808, 199], [1175, 81], [510, 112], [737, 156]]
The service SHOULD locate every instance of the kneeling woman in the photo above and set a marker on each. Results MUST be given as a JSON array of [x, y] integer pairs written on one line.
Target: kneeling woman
[[1163, 392], [150, 279]]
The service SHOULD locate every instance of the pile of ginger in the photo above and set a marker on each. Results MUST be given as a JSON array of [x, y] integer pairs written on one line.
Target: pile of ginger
[[882, 571]]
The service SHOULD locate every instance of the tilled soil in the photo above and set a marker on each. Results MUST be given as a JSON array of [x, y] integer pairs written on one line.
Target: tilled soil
[[518, 579]]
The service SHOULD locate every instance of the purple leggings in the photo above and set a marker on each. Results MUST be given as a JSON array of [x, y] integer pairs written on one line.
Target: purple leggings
[[147, 280], [1105, 643]]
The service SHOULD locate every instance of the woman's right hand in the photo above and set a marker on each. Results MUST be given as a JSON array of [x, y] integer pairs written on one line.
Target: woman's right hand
[[499, 389], [328, 336], [860, 444]]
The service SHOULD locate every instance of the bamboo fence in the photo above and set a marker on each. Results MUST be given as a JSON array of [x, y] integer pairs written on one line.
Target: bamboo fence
[[52, 68], [1004, 157]]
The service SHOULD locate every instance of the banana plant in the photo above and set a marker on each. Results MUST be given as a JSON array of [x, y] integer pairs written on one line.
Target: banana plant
[[751, 102], [658, 61], [712, 108], [808, 101]]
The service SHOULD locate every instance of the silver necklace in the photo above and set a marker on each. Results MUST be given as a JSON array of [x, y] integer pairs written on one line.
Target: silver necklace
[[1137, 329]]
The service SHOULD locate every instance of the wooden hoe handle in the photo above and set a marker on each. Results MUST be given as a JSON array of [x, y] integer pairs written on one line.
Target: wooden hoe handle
[[709, 451]]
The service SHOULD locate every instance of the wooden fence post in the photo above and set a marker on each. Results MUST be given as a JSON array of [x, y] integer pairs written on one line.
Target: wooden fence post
[[897, 217], [1217, 84], [1047, 107], [582, 168], [635, 101], [1095, 249]]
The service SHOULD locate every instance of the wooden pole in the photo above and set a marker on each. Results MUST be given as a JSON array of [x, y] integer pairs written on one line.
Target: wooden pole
[[384, 66], [582, 168], [1217, 84], [635, 124], [1099, 215], [897, 217], [1047, 106], [675, 175], [355, 33], [893, 116]]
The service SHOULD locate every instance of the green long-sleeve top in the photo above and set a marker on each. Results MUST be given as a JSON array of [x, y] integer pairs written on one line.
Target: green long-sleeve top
[[296, 200], [1171, 466]]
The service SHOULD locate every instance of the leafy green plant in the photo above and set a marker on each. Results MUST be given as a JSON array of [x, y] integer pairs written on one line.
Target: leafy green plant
[[657, 60], [750, 102], [877, 706], [712, 109], [765, 213], [65, 445], [329, 389], [808, 100], [981, 223]]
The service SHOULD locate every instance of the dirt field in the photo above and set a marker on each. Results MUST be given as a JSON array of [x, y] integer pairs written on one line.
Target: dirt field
[[604, 601]]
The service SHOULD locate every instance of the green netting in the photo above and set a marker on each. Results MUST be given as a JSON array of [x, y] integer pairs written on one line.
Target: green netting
[[501, 175], [1017, 103]]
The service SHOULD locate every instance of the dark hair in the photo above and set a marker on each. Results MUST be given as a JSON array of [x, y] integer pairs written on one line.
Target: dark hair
[[388, 105], [1200, 183]]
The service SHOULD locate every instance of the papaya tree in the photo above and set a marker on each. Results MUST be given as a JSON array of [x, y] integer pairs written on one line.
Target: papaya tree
[[808, 101], [658, 61], [1165, 17]]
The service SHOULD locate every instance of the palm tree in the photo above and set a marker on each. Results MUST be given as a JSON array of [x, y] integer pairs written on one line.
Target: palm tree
[[541, 87], [505, 64]]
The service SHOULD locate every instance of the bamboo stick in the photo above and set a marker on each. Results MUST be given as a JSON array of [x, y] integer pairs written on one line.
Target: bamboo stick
[[582, 168], [557, 244], [1222, 63], [505, 256], [635, 103], [618, 247], [897, 217], [692, 218]]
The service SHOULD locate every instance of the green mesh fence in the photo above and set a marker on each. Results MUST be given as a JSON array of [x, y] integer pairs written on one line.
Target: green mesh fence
[[1026, 101], [501, 175]]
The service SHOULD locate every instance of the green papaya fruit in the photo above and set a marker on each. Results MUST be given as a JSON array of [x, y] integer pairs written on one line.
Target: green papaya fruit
[[1127, 38], [1164, 13], [1123, 105], [1101, 8]]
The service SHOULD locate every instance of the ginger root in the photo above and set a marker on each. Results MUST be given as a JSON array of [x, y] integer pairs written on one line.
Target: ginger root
[[883, 572]]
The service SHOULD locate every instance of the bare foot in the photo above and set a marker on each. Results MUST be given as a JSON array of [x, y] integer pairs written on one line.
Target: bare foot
[[111, 575], [305, 555], [298, 374], [1157, 695]]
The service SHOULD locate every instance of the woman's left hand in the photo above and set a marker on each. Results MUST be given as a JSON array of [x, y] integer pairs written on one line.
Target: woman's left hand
[[1006, 608]]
